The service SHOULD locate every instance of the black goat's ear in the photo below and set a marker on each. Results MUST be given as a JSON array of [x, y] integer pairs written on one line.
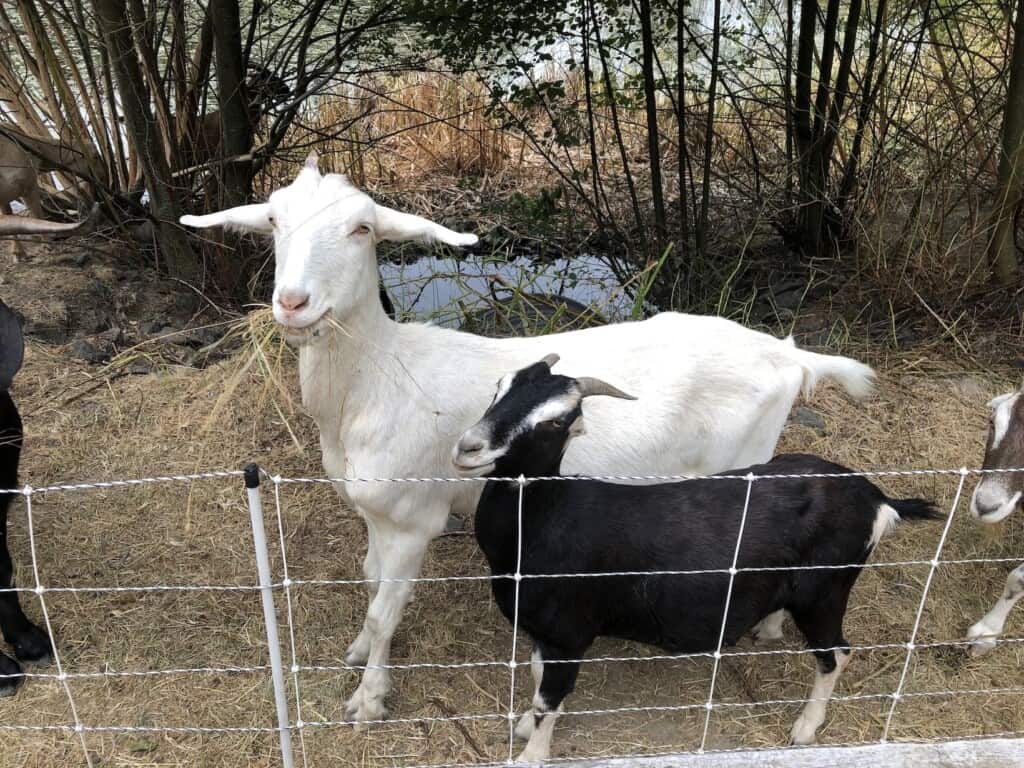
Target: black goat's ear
[[12, 346]]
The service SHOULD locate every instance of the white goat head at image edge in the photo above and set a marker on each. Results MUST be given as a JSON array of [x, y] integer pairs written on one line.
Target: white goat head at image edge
[[391, 399]]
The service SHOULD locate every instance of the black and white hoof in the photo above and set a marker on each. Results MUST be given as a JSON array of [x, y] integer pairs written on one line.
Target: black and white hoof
[[10, 676]]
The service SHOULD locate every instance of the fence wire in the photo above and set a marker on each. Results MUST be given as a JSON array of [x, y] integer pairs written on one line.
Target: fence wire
[[287, 586]]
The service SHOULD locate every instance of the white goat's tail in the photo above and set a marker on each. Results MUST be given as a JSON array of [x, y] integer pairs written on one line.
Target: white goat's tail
[[855, 377]]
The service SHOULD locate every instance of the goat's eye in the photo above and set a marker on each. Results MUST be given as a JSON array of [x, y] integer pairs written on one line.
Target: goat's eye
[[556, 423], [272, 220], [362, 229]]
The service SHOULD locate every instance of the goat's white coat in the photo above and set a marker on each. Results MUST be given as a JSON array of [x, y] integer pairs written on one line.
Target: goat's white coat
[[391, 400], [886, 519], [805, 728]]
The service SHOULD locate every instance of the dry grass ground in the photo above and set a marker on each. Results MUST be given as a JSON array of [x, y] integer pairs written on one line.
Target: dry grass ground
[[82, 427]]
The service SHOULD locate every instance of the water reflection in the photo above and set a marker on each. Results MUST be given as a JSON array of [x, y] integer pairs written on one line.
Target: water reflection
[[443, 290]]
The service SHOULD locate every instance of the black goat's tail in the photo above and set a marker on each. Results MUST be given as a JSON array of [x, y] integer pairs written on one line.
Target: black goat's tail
[[914, 509], [892, 511]]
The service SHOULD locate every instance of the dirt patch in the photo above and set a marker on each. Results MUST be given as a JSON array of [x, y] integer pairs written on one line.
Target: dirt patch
[[102, 305]]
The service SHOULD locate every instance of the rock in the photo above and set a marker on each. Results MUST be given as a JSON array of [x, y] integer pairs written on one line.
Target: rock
[[90, 352], [788, 294], [454, 525], [141, 366], [805, 417], [207, 336], [153, 327], [112, 336]]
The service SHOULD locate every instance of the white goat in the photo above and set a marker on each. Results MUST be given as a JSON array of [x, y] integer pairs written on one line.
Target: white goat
[[391, 399]]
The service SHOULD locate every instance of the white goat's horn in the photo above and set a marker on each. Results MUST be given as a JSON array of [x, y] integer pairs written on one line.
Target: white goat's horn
[[26, 225], [590, 386], [550, 360], [312, 161]]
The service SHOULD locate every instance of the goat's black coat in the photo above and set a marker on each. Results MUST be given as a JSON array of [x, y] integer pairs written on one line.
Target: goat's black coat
[[587, 526], [30, 643]]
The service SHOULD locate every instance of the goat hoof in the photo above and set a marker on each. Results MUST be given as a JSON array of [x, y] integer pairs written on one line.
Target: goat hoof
[[982, 638], [982, 646], [529, 757], [524, 728], [10, 676], [33, 646], [804, 732], [363, 709]]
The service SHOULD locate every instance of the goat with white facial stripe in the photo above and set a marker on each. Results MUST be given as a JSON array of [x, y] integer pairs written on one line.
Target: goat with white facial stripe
[[594, 527], [995, 497]]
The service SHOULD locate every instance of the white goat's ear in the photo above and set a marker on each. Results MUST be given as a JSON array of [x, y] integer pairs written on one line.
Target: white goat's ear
[[246, 218], [312, 161], [398, 226]]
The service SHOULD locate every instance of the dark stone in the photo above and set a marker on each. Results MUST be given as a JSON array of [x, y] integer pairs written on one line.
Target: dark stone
[[788, 294], [805, 417], [50, 333], [454, 525], [207, 336], [112, 336], [153, 327], [90, 352]]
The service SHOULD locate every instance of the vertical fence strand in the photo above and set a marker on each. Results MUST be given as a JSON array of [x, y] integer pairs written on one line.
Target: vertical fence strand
[[518, 577], [287, 584], [40, 589], [710, 704], [898, 693]]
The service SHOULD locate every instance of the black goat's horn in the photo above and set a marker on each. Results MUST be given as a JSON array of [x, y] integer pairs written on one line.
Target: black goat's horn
[[590, 386]]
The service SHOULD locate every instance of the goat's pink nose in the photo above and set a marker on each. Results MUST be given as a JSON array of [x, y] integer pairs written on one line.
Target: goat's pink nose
[[293, 300]]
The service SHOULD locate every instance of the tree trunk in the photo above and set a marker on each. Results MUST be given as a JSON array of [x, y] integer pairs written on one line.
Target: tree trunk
[[684, 220], [653, 148], [1002, 253], [869, 90], [236, 128], [709, 133], [112, 16]]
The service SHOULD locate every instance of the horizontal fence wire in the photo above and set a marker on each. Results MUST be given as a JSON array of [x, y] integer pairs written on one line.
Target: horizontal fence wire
[[284, 584], [290, 583], [426, 719], [407, 667], [276, 478]]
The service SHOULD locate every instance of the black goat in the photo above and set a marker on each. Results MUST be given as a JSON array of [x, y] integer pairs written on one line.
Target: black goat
[[588, 526], [30, 643]]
